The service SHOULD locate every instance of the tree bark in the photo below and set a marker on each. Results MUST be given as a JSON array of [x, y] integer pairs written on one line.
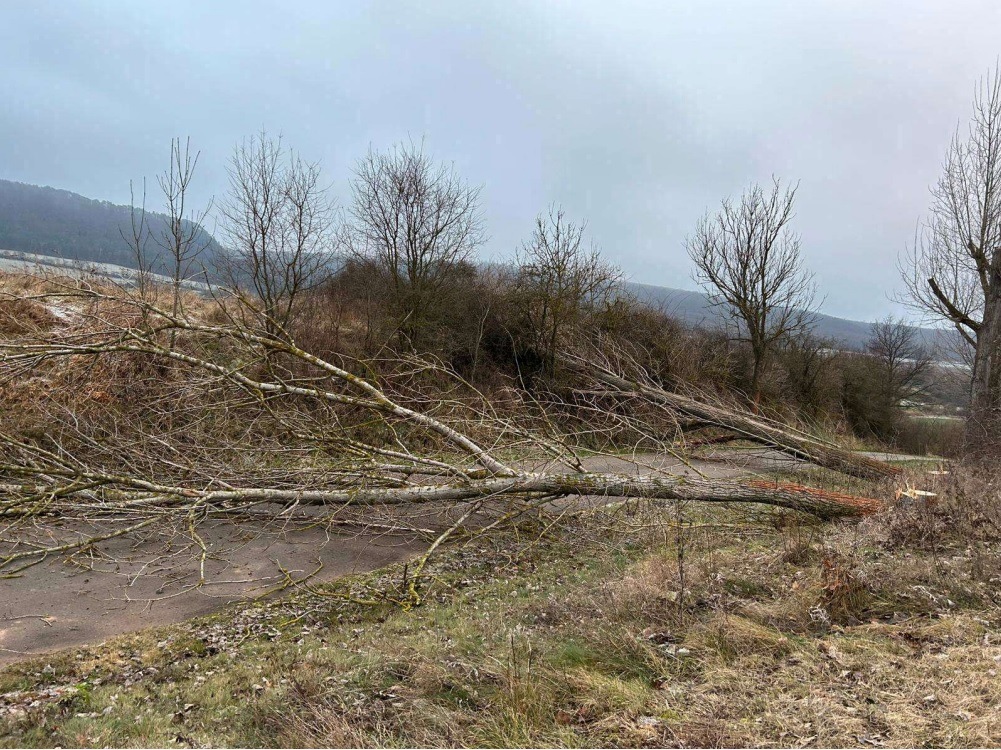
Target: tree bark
[[755, 430], [128, 493], [983, 427], [820, 503]]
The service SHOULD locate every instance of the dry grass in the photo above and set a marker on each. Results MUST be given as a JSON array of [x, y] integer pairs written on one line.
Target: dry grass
[[879, 633]]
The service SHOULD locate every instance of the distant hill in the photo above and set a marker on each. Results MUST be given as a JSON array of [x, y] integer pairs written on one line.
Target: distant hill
[[46, 221], [695, 308]]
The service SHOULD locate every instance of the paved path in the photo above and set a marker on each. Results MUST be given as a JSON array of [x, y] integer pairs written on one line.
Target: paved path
[[57, 604]]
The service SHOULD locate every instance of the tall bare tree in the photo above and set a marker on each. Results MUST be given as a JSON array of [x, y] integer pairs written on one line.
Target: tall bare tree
[[561, 280], [953, 271], [180, 237], [417, 222], [280, 225], [748, 259]]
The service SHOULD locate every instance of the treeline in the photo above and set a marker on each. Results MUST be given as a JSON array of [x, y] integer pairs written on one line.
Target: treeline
[[408, 283], [501, 324]]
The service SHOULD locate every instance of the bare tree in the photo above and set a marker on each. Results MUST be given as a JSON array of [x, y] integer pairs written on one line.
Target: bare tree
[[183, 237], [279, 224], [561, 280], [876, 383], [180, 237], [953, 271], [138, 241], [416, 222], [904, 362], [748, 259]]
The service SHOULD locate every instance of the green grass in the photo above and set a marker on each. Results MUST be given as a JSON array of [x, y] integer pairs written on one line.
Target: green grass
[[782, 634]]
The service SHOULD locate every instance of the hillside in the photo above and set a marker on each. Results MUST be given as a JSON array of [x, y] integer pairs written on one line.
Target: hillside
[[695, 308], [50, 222]]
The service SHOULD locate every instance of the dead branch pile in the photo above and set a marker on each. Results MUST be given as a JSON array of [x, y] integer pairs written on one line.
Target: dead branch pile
[[132, 417]]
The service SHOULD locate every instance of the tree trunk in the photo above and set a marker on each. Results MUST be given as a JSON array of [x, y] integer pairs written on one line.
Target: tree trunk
[[755, 430], [758, 355], [821, 503], [983, 427]]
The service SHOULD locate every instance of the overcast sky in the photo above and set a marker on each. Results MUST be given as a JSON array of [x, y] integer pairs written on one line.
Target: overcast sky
[[635, 116]]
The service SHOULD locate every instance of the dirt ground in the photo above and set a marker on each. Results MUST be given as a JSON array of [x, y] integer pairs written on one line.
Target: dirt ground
[[124, 587]]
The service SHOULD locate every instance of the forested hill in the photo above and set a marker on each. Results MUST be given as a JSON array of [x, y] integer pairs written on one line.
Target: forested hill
[[47, 221]]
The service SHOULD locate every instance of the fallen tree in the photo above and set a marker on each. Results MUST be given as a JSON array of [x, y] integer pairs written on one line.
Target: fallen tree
[[243, 420], [742, 425]]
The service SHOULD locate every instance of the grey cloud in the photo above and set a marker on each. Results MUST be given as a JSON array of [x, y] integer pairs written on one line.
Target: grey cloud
[[637, 116]]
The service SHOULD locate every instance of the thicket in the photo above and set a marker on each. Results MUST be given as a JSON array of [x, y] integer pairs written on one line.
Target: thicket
[[494, 325]]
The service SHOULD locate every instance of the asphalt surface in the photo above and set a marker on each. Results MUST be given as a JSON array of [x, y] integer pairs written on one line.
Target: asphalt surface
[[125, 586]]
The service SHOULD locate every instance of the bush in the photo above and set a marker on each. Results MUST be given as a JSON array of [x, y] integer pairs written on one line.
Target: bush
[[869, 407], [930, 436]]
